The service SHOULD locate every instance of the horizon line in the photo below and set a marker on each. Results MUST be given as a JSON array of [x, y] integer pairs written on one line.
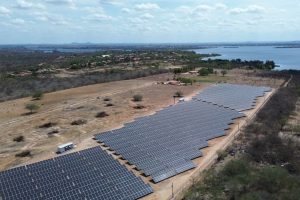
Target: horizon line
[[153, 43]]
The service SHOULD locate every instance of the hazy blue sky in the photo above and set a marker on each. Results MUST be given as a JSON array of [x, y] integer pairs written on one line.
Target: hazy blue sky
[[126, 21]]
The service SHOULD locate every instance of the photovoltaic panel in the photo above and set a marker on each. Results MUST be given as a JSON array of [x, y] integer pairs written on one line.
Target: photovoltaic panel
[[238, 97], [87, 174], [163, 145]]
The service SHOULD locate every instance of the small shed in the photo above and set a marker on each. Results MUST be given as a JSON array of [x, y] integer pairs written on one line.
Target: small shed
[[65, 147]]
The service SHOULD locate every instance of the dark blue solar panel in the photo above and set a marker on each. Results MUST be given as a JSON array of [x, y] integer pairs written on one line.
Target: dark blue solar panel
[[238, 97], [87, 174], [163, 145]]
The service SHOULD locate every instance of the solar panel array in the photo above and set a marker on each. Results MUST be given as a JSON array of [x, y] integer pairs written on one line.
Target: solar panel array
[[163, 145], [238, 97], [88, 174]]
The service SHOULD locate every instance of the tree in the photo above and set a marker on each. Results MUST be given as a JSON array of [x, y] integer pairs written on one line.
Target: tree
[[186, 80], [203, 72], [32, 107], [37, 95], [19, 138], [101, 115], [223, 72], [178, 94], [137, 97], [270, 64]]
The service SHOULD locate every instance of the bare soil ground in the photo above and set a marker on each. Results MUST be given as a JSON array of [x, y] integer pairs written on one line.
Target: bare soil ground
[[63, 107]]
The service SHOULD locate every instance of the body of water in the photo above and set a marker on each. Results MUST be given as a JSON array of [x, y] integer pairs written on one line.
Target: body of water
[[286, 58]]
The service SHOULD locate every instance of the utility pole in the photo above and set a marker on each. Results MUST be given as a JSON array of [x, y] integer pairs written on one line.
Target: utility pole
[[172, 190]]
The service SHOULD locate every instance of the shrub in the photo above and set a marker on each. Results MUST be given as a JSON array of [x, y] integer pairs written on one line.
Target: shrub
[[79, 122], [101, 114], [221, 155], [32, 107], [235, 167], [107, 99], [223, 72], [19, 138], [52, 132], [48, 125], [203, 72], [185, 80], [139, 107], [210, 70], [25, 153], [109, 105], [137, 97], [178, 94], [37, 95]]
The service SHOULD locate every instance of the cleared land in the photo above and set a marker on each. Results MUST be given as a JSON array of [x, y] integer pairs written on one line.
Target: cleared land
[[63, 107]]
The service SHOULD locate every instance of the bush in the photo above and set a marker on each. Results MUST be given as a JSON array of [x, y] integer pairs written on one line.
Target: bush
[[137, 97], [178, 94], [235, 167], [223, 72], [48, 125], [139, 107], [37, 95], [185, 80], [79, 122], [25, 153], [19, 138], [109, 105], [221, 155], [107, 99], [52, 133], [210, 70], [203, 72], [32, 107], [101, 114]]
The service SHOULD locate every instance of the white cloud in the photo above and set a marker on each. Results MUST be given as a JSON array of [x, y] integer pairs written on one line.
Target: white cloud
[[97, 14], [99, 17], [184, 9], [126, 10], [24, 4], [111, 2], [102, 17], [203, 8], [249, 9], [70, 3], [17, 21], [147, 16], [4, 11], [146, 6], [221, 6], [50, 18], [94, 9]]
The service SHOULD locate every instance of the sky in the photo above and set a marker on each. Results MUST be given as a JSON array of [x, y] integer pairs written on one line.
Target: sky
[[148, 21]]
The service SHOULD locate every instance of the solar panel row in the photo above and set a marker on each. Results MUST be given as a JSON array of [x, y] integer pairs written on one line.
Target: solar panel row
[[163, 145], [238, 97], [88, 174]]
